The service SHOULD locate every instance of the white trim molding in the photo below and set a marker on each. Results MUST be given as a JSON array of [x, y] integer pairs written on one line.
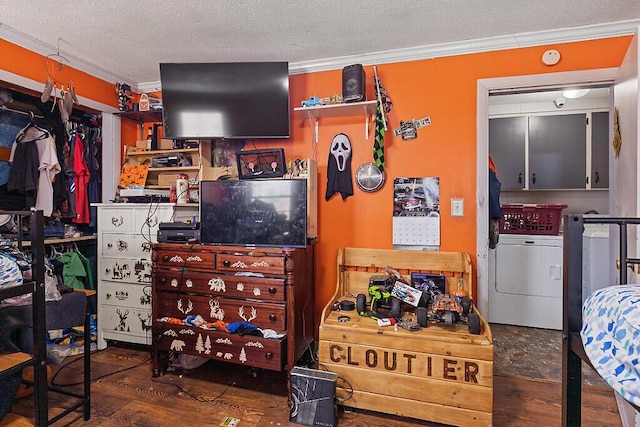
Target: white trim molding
[[512, 41]]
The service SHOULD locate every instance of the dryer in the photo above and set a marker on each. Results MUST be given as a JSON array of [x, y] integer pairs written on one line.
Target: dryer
[[526, 281]]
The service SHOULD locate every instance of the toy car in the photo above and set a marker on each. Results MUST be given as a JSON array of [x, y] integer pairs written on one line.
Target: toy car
[[312, 101], [450, 309], [380, 287]]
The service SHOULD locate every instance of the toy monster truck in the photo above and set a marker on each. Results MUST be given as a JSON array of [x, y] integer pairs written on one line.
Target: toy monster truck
[[449, 309], [381, 303]]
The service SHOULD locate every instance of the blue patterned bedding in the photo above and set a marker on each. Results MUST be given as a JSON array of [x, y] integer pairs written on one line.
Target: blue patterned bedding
[[611, 337]]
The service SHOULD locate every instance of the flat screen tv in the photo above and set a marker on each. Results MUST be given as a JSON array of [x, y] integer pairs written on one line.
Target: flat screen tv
[[240, 100], [254, 212]]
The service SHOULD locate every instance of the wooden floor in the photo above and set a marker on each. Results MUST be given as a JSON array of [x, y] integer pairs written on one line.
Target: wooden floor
[[125, 394]]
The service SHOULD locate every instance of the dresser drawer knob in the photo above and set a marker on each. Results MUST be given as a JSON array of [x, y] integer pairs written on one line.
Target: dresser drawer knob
[[268, 355], [163, 280], [272, 317], [166, 258], [272, 290], [109, 245], [226, 263]]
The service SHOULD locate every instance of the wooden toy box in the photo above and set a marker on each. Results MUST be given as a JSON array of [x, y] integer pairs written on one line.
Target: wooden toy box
[[440, 373]]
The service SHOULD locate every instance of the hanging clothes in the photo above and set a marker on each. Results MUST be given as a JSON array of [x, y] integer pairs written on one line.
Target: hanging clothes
[[34, 166], [93, 149], [88, 282], [73, 271], [81, 177]]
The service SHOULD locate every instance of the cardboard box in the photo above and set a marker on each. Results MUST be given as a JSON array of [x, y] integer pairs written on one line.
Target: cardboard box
[[165, 144], [313, 397], [141, 144], [167, 178]]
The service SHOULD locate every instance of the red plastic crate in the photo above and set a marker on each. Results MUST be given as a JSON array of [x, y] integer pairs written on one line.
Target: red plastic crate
[[531, 219]]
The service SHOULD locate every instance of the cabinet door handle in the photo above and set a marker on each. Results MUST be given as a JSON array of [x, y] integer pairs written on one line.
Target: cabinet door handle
[[226, 263], [534, 178], [272, 290], [272, 317], [268, 355], [520, 178], [109, 245], [597, 177]]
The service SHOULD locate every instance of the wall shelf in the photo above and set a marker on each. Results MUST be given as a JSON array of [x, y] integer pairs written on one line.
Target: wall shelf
[[364, 108]]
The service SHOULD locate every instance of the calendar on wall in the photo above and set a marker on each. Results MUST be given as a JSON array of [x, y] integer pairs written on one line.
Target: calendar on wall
[[416, 211]]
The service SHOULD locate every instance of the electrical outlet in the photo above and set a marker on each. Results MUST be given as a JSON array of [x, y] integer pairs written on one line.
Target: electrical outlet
[[457, 207]]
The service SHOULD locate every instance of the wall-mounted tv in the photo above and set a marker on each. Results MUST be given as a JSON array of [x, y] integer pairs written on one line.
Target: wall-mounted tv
[[254, 212], [225, 100]]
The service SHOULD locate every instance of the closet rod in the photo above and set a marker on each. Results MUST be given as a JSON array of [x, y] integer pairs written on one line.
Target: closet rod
[[20, 112]]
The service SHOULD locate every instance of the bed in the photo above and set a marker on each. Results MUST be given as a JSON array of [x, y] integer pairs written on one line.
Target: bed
[[602, 332]]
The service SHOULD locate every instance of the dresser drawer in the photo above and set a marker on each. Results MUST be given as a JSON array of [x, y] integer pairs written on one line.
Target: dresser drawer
[[190, 258], [125, 245], [124, 321], [117, 220], [270, 265], [125, 295], [263, 315], [125, 270], [243, 350], [148, 220], [257, 288]]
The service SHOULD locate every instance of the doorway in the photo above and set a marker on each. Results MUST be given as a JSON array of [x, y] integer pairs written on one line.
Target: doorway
[[530, 83]]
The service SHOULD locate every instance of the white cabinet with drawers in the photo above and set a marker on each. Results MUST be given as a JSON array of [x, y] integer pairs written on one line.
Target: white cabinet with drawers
[[125, 234]]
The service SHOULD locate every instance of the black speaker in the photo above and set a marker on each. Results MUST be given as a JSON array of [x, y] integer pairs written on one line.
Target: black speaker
[[353, 83]]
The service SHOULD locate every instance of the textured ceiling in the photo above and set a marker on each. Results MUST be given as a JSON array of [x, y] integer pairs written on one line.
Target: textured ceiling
[[129, 38]]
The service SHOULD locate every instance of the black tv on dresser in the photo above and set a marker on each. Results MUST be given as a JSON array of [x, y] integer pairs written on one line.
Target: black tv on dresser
[[270, 212]]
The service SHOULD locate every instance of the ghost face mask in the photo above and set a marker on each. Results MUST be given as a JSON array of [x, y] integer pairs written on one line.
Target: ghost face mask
[[341, 150]]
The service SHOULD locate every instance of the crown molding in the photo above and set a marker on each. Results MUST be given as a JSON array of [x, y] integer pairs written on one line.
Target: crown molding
[[44, 49], [563, 35], [513, 41]]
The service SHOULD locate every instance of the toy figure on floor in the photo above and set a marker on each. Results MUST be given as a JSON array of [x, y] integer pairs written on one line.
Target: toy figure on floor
[[339, 168]]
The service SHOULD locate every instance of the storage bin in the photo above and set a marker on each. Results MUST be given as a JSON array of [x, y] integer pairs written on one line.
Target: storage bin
[[531, 219]]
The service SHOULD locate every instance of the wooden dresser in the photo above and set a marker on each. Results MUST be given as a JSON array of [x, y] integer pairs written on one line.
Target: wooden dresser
[[125, 234], [271, 288]]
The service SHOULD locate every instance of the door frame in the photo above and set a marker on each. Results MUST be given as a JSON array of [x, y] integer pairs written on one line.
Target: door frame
[[484, 87]]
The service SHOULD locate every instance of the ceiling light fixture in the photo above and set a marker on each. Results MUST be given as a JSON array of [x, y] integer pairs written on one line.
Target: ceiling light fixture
[[575, 93]]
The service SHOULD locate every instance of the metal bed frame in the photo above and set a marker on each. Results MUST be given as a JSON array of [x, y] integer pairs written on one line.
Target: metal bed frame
[[573, 353], [40, 326]]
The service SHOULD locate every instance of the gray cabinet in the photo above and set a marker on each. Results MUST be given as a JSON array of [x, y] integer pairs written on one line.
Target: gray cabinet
[[599, 150], [550, 152], [507, 137], [557, 151]]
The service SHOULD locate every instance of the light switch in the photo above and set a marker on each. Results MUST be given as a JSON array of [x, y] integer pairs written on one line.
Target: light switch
[[457, 207]]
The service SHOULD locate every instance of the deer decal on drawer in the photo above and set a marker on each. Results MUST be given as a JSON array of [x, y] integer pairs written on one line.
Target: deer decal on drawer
[[216, 311], [145, 319], [254, 314], [122, 326], [187, 309]]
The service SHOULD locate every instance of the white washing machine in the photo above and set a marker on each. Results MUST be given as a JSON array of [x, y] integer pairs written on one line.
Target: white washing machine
[[525, 277], [598, 269]]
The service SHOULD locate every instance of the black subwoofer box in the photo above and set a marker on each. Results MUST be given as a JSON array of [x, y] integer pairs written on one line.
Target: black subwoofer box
[[353, 83]]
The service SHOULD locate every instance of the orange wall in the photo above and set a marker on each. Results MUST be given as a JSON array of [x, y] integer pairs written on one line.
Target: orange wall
[[29, 64], [442, 88], [445, 90]]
